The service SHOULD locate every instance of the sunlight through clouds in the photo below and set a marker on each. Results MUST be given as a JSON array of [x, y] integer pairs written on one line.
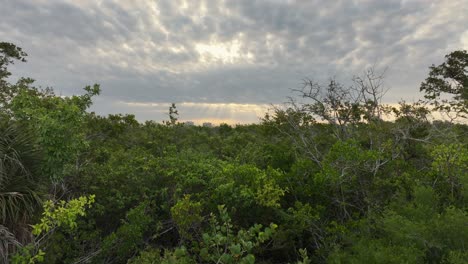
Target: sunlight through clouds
[[229, 52], [227, 57], [217, 113]]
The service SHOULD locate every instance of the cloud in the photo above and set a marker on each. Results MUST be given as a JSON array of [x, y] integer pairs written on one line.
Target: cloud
[[227, 52]]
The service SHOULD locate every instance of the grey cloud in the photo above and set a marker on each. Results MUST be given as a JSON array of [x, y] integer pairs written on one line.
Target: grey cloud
[[147, 51], [55, 20]]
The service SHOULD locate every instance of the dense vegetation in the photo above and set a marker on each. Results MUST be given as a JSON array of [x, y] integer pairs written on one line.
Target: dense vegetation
[[327, 180]]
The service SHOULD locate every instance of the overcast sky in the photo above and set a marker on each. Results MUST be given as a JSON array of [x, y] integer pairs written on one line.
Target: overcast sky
[[226, 61]]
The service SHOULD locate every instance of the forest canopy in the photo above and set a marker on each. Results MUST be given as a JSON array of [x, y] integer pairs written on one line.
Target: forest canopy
[[324, 179]]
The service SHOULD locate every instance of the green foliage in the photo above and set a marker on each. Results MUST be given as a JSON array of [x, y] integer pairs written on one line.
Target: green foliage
[[63, 213], [113, 178], [457, 257], [246, 185], [301, 227], [178, 256], [125, 241], [305, 258], [222, 245], [450, 78], [8, 54], [409, 232], [450, 172], [352, 189], [186, 215], [55, 215], [348, 171], [10, 51], [58, 123], [27, 255]]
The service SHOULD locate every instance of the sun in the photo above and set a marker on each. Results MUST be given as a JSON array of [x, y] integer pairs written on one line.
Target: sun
[[227, 52]]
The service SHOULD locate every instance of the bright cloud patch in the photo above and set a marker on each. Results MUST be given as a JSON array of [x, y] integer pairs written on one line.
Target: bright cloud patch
[[225, 52]]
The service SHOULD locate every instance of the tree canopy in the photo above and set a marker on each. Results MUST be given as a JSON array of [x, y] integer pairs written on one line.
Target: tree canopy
[[446, 87], [325, 180]]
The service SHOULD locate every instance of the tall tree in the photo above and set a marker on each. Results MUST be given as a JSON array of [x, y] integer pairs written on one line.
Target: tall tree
[[8, 54], [446, 87]]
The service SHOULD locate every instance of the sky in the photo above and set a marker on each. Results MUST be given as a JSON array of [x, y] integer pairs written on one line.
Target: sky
[[226, 61]]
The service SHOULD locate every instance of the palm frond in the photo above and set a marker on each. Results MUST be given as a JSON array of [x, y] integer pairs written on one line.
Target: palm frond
[[8, 243], [18, 169]]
